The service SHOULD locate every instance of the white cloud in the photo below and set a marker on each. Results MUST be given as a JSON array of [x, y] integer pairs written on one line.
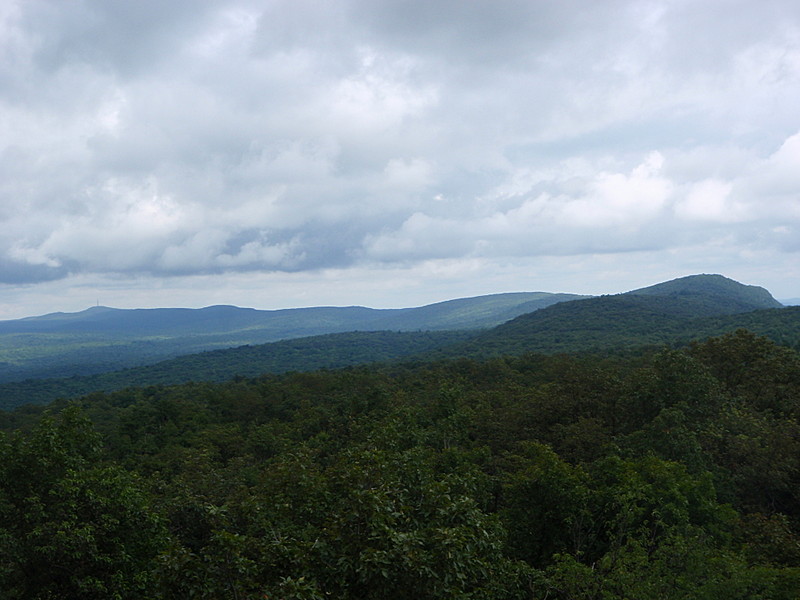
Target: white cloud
[[709, 200], [620, 200], [610, 205]]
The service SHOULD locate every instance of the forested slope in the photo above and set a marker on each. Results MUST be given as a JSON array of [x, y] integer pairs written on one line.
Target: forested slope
[[657, 476], [303, 354], [717, 293], [621, 324], [103, 339], [672, 313]]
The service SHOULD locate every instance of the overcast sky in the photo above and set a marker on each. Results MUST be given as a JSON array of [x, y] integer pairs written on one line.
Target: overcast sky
[[392, 153]]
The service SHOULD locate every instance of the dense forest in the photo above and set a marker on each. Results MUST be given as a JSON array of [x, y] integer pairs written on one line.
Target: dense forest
[[330, 351], [658, 474]]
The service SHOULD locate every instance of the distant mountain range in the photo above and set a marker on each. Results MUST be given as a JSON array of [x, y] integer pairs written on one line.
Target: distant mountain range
[[464, 313], [670, 313], [103, 339]]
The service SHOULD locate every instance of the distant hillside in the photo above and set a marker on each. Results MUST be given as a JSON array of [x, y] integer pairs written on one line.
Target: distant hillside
[[712, 294], [463, 313], [780, 325], [668, 313], [674, 315], [331, 351], [103, 339]]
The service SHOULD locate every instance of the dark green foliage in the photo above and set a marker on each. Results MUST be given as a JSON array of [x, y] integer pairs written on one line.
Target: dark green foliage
[[766, 375], [304, 354], [70, 528], [627, 321], [667, 474], [718, 293], [672, 313]]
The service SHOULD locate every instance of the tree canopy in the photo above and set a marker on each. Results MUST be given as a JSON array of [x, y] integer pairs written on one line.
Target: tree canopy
[[660, 474]]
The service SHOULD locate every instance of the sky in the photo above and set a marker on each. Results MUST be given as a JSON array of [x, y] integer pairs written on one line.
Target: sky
[[392, 153]]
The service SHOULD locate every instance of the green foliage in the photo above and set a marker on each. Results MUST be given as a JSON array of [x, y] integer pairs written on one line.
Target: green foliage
[[725, 295], [754, 368], [660, 475], [304, 354], [547, 501], [69, 528], [616, 323]]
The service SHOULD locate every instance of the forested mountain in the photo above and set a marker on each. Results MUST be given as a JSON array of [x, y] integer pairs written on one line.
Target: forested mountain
[[673, 314], [104, 339], [462, 313], [711, 294], [332, 351], [657, 476]]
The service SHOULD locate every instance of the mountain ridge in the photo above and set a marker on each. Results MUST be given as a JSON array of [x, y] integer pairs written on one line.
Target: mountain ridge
[[649, 315], [102, 339], [740, 297], [90, 317], [675, 314]]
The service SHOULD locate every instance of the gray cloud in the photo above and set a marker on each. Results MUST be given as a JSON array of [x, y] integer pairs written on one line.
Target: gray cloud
[[18, 272], [152, 141]]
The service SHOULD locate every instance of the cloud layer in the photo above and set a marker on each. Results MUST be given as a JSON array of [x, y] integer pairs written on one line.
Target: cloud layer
[[149, 142]]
